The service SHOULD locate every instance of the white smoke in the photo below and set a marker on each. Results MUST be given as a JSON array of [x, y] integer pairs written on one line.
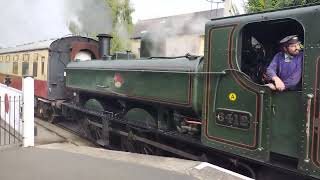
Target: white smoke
[[25, 21], [179, 35], [123, 34], [90, 16]]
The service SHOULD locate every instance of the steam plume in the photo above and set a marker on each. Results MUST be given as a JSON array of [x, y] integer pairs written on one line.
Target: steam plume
[[33, 20]]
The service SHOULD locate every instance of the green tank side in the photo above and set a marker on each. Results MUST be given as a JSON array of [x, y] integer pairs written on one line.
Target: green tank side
[[170, 81]]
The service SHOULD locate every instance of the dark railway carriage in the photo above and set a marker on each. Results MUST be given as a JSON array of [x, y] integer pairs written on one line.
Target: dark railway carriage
[[45, 61], [62, 52], [197, 107]]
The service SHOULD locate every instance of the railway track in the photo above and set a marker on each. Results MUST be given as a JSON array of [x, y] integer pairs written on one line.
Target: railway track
[[65, 131]]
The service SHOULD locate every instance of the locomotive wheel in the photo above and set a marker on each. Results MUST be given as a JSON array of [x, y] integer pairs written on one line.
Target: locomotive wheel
[[38, 110], [130, 145], [127, 145], [44, 111], [90, 131], [51, 119], [48, 114]]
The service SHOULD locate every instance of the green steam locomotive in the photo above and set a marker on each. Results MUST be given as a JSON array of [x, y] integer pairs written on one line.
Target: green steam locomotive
[[213, 108]]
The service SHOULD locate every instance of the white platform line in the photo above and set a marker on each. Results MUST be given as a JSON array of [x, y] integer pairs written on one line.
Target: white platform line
[[205, 164]]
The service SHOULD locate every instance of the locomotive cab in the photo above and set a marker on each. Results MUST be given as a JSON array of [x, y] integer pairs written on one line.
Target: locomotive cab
[[260, 42], [243, 116]]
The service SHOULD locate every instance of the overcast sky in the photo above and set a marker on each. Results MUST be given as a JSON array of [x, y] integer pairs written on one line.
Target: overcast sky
[[34, 25], [146, 9]]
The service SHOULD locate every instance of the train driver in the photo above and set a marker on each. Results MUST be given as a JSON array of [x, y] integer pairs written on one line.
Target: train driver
[[285, 69]]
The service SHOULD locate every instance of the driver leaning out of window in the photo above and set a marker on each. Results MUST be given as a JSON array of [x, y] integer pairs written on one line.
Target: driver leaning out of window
[[286, 67]]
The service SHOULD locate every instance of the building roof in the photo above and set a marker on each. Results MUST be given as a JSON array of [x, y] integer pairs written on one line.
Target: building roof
[[192, 23]]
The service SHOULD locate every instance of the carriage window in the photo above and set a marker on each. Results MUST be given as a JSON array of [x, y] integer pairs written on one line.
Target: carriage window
[[4, 67], [25, 68], [15, 68], [260, 42], [42, 68], [35, 69], [26, 57], [15, 58], [42, 65], [1, 67], [36, 56]]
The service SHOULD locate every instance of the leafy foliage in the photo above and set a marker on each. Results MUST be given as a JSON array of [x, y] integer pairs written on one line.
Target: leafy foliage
[[262, 5], [122, 24]]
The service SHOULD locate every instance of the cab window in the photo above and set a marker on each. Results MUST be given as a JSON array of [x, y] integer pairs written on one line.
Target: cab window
[[260, 42]]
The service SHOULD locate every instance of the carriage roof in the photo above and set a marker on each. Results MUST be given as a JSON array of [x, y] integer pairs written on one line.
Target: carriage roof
[[27, 47]]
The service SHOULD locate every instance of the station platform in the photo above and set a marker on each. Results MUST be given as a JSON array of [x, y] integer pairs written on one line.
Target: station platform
[[59, 155]]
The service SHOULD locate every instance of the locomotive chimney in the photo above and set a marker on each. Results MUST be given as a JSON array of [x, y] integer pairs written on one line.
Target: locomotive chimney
[[104, 45]]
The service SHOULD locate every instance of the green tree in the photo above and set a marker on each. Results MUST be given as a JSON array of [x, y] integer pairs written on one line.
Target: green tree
[[122, 24], [262, 5]]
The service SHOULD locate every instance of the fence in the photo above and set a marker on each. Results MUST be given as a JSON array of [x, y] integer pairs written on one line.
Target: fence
[[16, 114], [11, 119]]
